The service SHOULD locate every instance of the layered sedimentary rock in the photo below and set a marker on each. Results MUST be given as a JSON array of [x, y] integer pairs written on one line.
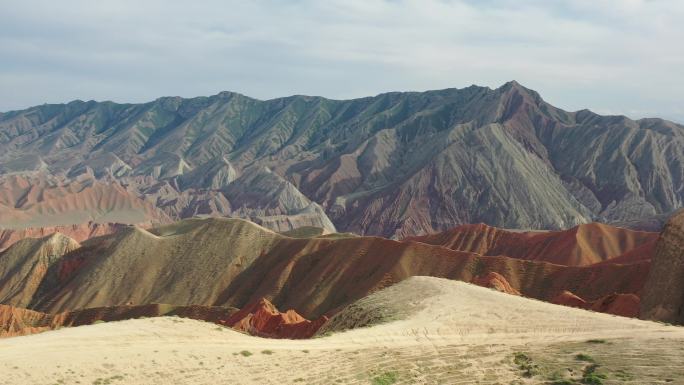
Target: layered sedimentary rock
[[315, 275], [79, 233], [625, 305], [663, 295], [495, 281], [581, 245], [43, 200], [16, 321], [263, 319], [29, 265]]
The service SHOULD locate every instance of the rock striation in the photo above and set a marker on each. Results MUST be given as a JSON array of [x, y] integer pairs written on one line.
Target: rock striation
[[625, 305], [663, 294], [263, 319], [396, 164], [317, 275], [16, 321], [78, 233], [495, 281], [582, 245]]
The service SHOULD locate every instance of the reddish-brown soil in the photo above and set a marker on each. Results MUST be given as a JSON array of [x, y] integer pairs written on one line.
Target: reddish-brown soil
[[263, 319], [251, 267], [496, 281], [259, 319], [79, 233], [315, 276], [582, 245], [626, 305], [566, 298], [15, 321]]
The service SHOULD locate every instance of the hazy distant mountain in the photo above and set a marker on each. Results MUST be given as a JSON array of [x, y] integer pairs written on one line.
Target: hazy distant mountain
[[395, 164]]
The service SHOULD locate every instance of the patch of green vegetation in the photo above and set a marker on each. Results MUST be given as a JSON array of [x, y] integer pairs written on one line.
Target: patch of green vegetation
[[584, 357], [557, 379], [524, 363], [99, 322], [305, 351], [298, 380], [590, 377], [596, 341], [269, 352], [387, 378], [246, 353], [108, 380]]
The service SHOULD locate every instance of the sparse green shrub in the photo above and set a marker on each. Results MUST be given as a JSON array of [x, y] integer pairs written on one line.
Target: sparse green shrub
[[590, 377], [557, 379], [584, 357], [269, 352], [387, 378], [596, 341], [246, 353], [524, 363]]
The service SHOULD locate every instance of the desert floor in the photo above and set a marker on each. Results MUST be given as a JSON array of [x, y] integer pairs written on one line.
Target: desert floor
[[427, 331]]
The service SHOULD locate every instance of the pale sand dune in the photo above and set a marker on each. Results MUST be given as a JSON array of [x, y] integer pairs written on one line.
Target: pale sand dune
[[447, 332]]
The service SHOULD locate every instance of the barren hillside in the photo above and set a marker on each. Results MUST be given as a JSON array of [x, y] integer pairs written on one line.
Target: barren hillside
[[396, 164], [232, 262], [451, 333]]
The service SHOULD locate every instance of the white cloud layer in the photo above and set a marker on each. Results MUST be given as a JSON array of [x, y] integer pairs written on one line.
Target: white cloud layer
[[612, 56]]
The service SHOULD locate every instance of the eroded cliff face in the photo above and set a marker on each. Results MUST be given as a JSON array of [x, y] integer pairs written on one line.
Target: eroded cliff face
[[663, 294]]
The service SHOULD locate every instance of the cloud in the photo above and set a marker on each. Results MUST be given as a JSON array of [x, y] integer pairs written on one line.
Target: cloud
[[612, 55]]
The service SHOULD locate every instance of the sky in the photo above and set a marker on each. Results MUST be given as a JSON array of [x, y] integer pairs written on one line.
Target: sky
[[611, 56]]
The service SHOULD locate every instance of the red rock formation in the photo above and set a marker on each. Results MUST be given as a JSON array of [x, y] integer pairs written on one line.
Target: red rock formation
[[263, 319], [496, 281], [581, 245], [16, 321], [49, 200], [567, 298], [79, 233], [626, 305]]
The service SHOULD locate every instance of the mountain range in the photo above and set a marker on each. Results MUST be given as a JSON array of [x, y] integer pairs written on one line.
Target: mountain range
[[398, 164]]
